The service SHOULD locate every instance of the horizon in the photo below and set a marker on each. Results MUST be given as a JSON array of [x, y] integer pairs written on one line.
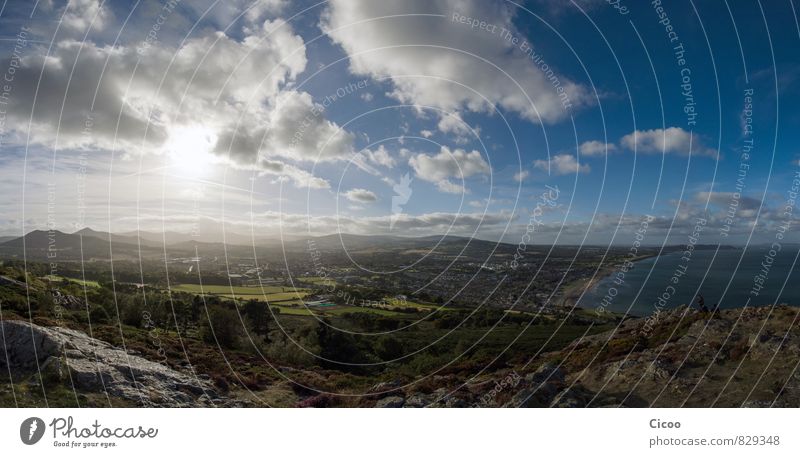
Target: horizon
[[189, 237]]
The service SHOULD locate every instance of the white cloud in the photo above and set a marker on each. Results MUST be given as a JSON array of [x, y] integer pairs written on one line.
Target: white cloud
[[358, 195], [596, 148], [212, 83], [393, 40], [727, 199], [453, 124], [299, 177], [520, 176], [80, 14], [673, 140], [426, 133], [448, 164], [380, 157], [449, 187], [562, 164], [206, 82], [298, 130]]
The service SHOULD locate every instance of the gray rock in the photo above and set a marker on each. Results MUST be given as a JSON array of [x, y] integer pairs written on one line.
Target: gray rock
[[455, 402], [546, 373], [418, 400], [390, 402], [95, 365], [568, 399]]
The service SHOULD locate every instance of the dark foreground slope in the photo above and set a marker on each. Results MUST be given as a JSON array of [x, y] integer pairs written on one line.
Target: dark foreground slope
[[738, 357], [745, 357]]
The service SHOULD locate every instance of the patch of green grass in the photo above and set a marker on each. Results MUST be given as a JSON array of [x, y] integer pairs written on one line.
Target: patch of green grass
[[409, 304], [339, 310], [81, 282], [288, 310], [236, 290], [317, 280]]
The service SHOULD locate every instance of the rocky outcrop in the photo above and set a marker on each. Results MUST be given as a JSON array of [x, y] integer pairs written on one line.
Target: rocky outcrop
[[88, 364], [390, 402], [682, 357], [744, 357], [66, 300]]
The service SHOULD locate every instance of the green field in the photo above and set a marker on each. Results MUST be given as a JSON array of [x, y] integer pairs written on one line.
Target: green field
[[235, 290], [410, 304], [317, 280], [74, 280], [288, 310], [338, 310], [276, 297], [284, 297]]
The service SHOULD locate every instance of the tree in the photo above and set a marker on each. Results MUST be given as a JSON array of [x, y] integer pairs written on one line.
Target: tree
[[221, 327], [388, 347], [257, 316], [337, 346]]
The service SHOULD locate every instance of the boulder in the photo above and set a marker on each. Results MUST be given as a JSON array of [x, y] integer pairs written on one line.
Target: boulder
[[390, 402], [95, 365]]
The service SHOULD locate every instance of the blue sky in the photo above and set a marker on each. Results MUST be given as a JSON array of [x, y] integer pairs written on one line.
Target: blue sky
[[228, 118]]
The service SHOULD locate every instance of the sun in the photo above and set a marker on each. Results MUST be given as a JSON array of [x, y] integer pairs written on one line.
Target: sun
[[189, 150]]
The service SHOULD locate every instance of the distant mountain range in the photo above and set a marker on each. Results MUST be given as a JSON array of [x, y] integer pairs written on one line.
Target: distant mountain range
[[88, 244]]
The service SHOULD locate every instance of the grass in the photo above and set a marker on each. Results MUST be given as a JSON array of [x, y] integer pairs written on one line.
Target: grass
[[359, 309], [409, 304], [228, 290], [279, 297], [317, 280], [81, 282], [331, 311], [288, 310]]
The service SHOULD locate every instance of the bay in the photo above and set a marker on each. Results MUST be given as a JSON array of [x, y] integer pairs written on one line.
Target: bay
[[724, 277]]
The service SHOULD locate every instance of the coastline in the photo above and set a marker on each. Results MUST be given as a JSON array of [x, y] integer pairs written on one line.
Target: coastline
[[574, 290]]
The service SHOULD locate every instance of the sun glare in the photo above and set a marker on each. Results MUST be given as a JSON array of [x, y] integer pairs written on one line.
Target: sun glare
[[189, 150]]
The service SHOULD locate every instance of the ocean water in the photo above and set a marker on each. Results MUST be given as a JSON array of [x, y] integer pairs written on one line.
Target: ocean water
[[725, 277]]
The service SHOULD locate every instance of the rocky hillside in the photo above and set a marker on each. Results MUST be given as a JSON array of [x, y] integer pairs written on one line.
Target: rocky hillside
[[731, 358], [738, 357], [58, 356], [681, 357]]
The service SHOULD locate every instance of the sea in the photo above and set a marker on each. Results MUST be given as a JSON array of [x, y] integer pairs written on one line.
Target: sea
[[725, 277]]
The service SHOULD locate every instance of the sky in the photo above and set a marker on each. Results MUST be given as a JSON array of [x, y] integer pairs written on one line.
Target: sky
[[582, 122]]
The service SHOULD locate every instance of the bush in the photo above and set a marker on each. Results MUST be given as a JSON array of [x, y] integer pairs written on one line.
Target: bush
[[222, 327], [388, 347]]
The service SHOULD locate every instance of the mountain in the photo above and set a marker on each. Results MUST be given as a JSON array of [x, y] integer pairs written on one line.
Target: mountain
[[118, 238], [44, 245]]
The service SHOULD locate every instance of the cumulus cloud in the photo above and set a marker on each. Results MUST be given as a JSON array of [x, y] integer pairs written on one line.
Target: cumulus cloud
[[448, 164], [380, 157], [80, 14], [454, 125], [726, 199], [206, 81], [428, 57], [359, 195], [299, 177], [673, 140], [562, 164], [296, 129], [232, 89], [596, 148], [520, 176]]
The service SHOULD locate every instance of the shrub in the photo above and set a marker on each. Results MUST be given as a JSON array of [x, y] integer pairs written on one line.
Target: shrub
[[222, 327]]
